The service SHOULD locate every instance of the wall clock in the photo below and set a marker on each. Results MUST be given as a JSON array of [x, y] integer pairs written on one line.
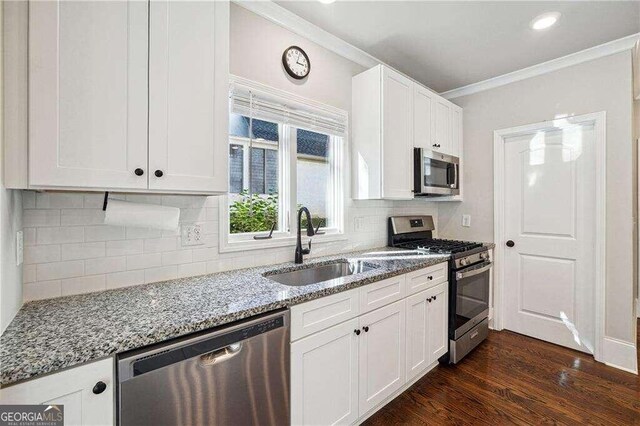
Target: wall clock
[[296, 62]]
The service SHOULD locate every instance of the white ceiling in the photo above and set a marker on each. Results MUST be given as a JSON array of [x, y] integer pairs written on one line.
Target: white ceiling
[[446, 45]]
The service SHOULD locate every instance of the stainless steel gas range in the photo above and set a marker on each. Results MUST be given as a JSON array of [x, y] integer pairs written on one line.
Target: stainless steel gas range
[[469, 269]]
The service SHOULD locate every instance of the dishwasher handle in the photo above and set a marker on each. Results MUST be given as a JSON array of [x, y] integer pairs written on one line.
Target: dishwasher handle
[[220, 355]]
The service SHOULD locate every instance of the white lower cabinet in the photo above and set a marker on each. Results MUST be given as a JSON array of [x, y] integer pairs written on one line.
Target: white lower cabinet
[[382, 354], [73, 388], [426, 329], [324, 376], [344, 372]]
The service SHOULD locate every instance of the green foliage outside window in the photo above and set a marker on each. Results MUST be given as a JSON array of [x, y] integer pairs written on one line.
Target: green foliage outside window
[[257, 213]]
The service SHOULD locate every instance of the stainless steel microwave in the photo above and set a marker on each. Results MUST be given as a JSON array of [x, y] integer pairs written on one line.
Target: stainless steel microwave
[[435, 174]]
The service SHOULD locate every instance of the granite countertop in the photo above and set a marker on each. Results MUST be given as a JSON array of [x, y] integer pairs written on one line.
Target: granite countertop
[[49, 335]]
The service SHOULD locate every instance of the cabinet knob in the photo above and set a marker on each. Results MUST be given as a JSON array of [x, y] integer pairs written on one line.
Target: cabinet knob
[[158, 173], [429, 299], [366, 328], [357, 332], [139, 172], [435, 297], [429, 277], [99, 387]]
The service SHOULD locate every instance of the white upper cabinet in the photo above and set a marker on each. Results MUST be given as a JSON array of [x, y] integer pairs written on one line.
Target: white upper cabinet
[[124, 95], [87, 94], [188, 99], [382, 131], [392, 115]]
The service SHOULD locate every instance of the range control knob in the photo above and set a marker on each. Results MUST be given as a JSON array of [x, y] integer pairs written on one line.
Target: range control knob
[[464, 262]]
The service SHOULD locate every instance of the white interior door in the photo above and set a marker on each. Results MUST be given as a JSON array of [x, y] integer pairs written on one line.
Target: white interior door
[[549, 270]]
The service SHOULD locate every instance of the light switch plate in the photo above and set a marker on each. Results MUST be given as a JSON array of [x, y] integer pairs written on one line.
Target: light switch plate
[[466, 220], [19, 248], [191, 235]]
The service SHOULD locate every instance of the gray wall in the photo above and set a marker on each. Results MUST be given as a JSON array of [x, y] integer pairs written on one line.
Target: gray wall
[[600, 85]]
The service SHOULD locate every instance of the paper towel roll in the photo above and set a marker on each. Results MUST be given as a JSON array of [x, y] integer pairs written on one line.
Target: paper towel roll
[[124, 213]]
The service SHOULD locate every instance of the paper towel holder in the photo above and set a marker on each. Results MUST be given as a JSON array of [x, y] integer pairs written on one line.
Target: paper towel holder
[[106, 201]]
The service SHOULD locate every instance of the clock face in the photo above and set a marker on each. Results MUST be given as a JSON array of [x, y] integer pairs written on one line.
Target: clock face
[[296, 62]]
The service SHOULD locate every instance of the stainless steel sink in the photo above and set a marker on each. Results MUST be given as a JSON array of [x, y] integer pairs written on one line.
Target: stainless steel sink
[[318, 274]]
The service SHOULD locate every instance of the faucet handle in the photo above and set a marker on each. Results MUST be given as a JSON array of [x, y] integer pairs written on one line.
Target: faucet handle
[[307, 250]]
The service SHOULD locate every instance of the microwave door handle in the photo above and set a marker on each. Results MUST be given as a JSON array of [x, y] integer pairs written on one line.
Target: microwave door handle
[[454, 181], [473, 272]]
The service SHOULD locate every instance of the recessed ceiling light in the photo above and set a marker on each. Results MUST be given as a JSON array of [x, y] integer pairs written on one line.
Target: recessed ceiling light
[[544, 21], [326, 1]]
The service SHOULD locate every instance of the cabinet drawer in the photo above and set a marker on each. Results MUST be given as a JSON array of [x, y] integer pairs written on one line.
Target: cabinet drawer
[[322, 313], [423, 279], [381, 293]]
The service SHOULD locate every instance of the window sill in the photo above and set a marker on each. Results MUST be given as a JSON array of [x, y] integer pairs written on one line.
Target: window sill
[[289, 241]]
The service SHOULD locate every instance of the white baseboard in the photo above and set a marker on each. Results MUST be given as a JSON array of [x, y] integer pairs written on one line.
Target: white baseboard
[[620, 354]]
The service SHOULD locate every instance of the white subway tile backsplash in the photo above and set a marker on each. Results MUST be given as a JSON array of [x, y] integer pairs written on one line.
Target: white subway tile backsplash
[[105, 265], [176, 257], [57, 270], [157, 245], [60, 235], [39, 218], [28, 273], [59, 200], [160, 274], [81, 285], [81, 217], [41, 290], [76, 251], [69, 251], [42, 254], [144, 261], [124, 247], [125, 279], [192, 269], [104, 233]]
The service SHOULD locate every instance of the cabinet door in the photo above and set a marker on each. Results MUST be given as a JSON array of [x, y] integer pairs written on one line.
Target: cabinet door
[[456, 131], [438, 321], [188, 96], [397, 135], [418, 352], [74, 389], [324, 376], [442, 126], [382, 354], [423, 117], [88, 94]]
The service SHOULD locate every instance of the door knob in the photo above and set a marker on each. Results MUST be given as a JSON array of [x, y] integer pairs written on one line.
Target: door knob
[[510, 243], [138, 172], [158, 173]]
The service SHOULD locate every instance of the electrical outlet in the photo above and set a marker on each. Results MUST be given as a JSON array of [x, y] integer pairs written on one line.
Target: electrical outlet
[[19, 248], [466, 220], [358, 223], [191, 235]]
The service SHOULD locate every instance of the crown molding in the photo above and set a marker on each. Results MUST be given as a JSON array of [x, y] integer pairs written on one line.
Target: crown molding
[[289, 20], [606, 49]]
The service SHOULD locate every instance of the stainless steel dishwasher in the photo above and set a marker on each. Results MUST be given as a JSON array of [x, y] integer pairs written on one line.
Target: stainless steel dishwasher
[[234, 375]]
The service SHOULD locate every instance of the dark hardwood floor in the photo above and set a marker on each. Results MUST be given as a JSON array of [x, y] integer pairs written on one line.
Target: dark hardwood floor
[[513, 379]]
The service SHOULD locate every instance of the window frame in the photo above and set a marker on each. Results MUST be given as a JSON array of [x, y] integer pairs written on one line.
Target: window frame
[[287, 178]]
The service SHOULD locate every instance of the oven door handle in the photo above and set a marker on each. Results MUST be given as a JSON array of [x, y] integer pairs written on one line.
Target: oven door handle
[[473, 272]]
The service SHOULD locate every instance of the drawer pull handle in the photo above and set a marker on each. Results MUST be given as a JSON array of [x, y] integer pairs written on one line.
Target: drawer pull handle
[[473, 335], [99, 387]]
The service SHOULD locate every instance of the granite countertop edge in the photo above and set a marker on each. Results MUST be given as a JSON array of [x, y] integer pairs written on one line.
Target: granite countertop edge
[[134, 317]]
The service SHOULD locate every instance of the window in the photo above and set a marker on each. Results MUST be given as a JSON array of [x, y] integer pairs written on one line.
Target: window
[[255, 205], [285, 152]]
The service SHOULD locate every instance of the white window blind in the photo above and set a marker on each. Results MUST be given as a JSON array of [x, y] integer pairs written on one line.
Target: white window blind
[[252, 99]]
